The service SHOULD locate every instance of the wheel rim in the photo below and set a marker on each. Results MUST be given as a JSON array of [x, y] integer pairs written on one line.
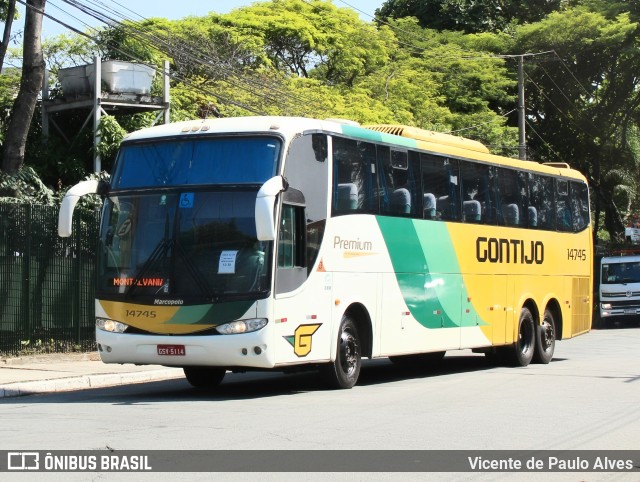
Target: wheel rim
[[348, 353], [547, 336]]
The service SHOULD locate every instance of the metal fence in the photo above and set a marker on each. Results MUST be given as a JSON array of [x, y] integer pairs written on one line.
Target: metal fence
[[47, 283]]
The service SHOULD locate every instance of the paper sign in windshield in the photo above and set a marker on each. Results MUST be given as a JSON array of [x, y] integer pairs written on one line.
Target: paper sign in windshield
[[227, 264]]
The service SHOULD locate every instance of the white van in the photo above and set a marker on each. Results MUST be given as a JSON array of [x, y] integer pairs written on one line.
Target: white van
[[619, 289]]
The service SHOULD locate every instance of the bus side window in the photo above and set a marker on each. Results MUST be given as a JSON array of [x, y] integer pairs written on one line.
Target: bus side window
[[397, 179], [563, 209], [478, 182], [290, 238], [541, 213], [511, 198], [579, 193], [354, 179], [440, 187], [291, 271]]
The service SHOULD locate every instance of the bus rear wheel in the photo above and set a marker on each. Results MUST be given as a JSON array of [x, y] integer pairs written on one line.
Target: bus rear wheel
[[345, 370], [204, 377], [523, 348], [545, 339]]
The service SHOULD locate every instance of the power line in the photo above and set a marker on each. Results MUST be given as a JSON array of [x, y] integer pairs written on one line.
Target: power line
[[197, 56], [130, 55]]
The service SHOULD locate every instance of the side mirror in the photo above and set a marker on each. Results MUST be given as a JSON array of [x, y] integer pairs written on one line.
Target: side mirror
[[71, 198], [265, 204]]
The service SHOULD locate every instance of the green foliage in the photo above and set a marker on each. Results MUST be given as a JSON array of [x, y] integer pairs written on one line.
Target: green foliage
[[39, 346], [25, 187], [589, 95], [67, 50], [286, 57], [111, 134], [470, 15], [9, 85], [299, 37]]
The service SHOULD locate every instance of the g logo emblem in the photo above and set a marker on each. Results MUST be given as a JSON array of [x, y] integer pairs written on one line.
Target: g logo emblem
[[301, 339]]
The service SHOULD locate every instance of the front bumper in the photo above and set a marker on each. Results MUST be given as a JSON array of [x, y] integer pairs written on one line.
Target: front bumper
[[242, 350]]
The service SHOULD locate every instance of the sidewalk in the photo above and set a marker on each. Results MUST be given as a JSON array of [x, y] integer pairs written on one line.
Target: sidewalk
[[74, 371]]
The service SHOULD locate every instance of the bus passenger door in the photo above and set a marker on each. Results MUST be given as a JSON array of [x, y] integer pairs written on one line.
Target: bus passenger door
[[302, 298]]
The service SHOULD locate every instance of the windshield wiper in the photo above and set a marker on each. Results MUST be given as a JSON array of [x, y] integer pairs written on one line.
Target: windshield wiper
[[161, 248], [196, 274]]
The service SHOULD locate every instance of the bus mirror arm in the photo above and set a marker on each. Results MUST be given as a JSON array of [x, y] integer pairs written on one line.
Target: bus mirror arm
[[265, 204], [71, 198], [103, 188]]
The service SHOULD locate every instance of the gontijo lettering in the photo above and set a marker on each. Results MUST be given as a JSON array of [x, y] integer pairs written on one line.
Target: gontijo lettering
[[502, 250]]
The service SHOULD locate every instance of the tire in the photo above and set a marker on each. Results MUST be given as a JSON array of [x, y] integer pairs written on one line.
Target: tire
[[545, 339], [523, 348], [343, 373], [419, 360], [204, 377]]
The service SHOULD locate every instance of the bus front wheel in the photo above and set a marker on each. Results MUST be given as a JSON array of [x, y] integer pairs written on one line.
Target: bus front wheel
[[524, 347], [204, 377], [345, 370], [545, 339]]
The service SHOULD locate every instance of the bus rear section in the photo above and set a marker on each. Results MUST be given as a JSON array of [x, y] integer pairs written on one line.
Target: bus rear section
[[619, 289]]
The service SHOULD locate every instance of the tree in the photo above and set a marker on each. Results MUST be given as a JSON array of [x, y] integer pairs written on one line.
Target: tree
[[584, 102], [33, 67], [470, 16], [8, 11]]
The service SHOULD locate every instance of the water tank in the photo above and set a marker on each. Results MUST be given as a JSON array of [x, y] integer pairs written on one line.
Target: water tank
[[118, 77]]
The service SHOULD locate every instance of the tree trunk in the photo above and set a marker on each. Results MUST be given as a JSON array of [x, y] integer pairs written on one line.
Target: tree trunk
[[30, 84], [11, 12]]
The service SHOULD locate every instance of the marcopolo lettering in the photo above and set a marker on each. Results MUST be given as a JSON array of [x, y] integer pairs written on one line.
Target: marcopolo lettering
[[502, 250]]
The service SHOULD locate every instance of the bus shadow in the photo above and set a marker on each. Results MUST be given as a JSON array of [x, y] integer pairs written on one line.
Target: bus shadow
[[256, 385], [374, 372], [377, 372]]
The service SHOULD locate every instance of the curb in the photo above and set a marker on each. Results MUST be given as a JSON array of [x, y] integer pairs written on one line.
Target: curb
[[84, 382]]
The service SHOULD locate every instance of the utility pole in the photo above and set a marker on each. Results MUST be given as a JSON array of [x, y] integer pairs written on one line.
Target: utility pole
[[522, 141]]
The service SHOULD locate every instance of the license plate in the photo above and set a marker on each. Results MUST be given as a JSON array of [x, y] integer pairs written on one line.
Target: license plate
[[629, 312], [171, 350]]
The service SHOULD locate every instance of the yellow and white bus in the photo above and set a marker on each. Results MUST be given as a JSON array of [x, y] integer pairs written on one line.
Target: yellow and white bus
[[285, 243]]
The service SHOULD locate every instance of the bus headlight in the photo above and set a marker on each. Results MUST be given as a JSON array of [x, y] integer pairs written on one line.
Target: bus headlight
[[242, 326], [105, 324], [606, 306]]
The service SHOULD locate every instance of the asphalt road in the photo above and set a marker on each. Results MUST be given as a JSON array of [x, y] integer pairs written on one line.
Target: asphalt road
[[585, 399]]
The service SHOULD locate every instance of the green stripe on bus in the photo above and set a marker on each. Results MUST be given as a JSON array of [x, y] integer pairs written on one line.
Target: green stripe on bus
[[216, 314], [427, 270], [375, 136]]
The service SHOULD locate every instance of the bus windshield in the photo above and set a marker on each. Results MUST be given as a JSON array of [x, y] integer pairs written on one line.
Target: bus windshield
[[211, 160], [193, 245], [621, 273], [180, 220]]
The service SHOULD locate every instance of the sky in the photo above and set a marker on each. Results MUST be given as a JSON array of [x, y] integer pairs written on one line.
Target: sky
[[171, 9]]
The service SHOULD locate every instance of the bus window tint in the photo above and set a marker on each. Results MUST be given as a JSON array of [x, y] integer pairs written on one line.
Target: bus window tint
[[306, 169], [233, 160], [512, 209], [397, 183], [541, 213], [478, 203], [354, 182], [287, 238], [579, 205], [440, 187], [563, 208]]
